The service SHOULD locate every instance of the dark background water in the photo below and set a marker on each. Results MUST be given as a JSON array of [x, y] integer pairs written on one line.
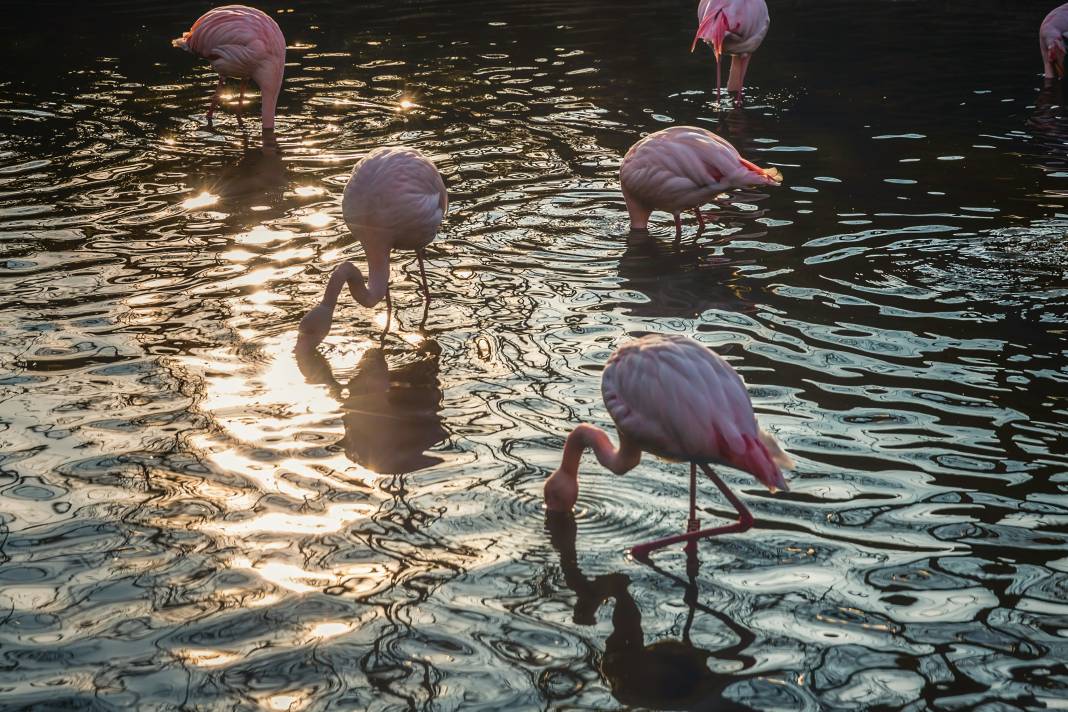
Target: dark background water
[[192, 515]]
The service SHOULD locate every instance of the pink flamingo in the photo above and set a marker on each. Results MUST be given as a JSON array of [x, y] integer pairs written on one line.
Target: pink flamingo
[[737, 26], [682, 168], [244, 43], [1051, 38], [672, 397], [395, 199]]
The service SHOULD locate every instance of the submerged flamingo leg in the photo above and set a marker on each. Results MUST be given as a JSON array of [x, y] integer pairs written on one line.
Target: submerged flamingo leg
[[214, 101], [678, 226], [745, 521], [422, 273]]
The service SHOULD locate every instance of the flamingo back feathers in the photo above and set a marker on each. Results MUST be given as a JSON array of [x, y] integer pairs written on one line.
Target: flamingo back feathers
[[397, 193], [685, 166], [678, 399]]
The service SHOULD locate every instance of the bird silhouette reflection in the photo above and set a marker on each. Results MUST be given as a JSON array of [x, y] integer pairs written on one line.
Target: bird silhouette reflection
[[392, 415], [684, 278], [258, 178], [666, 674]]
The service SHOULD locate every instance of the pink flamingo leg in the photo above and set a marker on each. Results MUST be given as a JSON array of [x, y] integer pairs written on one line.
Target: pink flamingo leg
[[214, 101], [678, 226], [241, 103], [693, 525], [422, 273], [745, 521], [700, 219]]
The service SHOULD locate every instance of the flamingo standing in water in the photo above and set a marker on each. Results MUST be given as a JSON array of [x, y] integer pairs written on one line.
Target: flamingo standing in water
[[1051, 37], [672, 397], [682, 168], [244, 43], [735, 26], [395, 199]]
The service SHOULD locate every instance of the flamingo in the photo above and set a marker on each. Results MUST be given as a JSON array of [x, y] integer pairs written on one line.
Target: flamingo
[[682, 168], [395, 199], [244, 43], [674, 398], [1051, 36], [737, 26]]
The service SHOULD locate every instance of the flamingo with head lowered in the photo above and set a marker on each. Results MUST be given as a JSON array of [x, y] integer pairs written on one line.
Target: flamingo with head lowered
[[736, 27], [244, 43], [395, 199], [672, 397], [682, 168], [1051, 38]]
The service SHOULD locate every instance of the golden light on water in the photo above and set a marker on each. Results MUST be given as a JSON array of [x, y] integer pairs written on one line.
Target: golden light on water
[[306, 191], [406, 104], [263, 235], [200, 201], [206, 658], [317, 219]]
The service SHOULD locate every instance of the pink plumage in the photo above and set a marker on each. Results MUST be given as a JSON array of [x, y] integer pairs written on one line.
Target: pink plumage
[[675, 398], [736, 27], [682, 168], [395, 199], [678, 399], [243, 43], [1051, 41]]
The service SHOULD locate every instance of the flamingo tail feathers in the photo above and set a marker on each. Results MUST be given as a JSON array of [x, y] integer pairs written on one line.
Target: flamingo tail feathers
[[714, 29]]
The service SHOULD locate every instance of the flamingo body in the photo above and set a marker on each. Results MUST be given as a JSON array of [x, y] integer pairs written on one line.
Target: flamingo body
[[682, 168], [1051, 40], [395, 199], [672, 397], [243, 43], [736, 27], [677, 399]]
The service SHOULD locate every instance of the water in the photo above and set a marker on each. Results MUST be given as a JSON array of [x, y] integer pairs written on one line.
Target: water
[[195, 516]]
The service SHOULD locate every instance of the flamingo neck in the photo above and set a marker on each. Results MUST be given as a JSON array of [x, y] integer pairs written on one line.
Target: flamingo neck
[[561, 489], [269, 91]]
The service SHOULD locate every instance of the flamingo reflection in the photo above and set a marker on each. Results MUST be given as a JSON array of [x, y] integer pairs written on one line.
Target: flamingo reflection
[[667, 674], [391, 415]]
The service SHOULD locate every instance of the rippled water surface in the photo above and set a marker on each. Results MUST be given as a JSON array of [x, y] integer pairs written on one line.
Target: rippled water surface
[[194, 515]]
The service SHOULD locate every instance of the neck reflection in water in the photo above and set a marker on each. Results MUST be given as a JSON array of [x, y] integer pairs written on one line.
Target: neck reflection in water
[[392, 415], [666, 674]]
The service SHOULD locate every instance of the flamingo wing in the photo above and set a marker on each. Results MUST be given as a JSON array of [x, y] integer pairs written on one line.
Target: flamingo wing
[[678, 399]]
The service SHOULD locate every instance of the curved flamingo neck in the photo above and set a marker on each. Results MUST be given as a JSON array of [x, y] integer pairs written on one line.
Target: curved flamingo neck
[[561, 489]]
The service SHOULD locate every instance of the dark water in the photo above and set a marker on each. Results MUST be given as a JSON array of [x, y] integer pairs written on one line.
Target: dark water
[[195, 516]]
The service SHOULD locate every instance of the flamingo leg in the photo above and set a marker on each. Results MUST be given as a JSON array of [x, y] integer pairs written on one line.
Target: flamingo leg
[[693, 524], [241, 102], [389, 317], [422, 273], [745, 521], [678, 226], [214, 101], [700, 219], [719, 81]]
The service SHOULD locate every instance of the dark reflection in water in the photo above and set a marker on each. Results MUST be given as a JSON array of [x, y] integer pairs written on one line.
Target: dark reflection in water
[[192, 516], [666, 674], [392, 415]]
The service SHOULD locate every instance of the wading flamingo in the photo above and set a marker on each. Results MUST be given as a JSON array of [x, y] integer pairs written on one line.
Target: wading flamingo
[[1051, 37], [674, 398], [395, 199], [682, 168], [736, 27], [244, 43]]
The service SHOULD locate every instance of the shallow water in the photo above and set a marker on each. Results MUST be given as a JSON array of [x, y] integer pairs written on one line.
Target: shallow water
[[195, 515]]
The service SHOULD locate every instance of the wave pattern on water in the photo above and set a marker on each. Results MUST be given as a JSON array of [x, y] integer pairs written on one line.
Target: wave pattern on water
[[196, 513]]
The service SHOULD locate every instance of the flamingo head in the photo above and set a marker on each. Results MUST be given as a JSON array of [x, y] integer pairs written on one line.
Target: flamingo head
[[1055, 54], [561, 490], [182, 42], [315, 326], [751, 174]]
